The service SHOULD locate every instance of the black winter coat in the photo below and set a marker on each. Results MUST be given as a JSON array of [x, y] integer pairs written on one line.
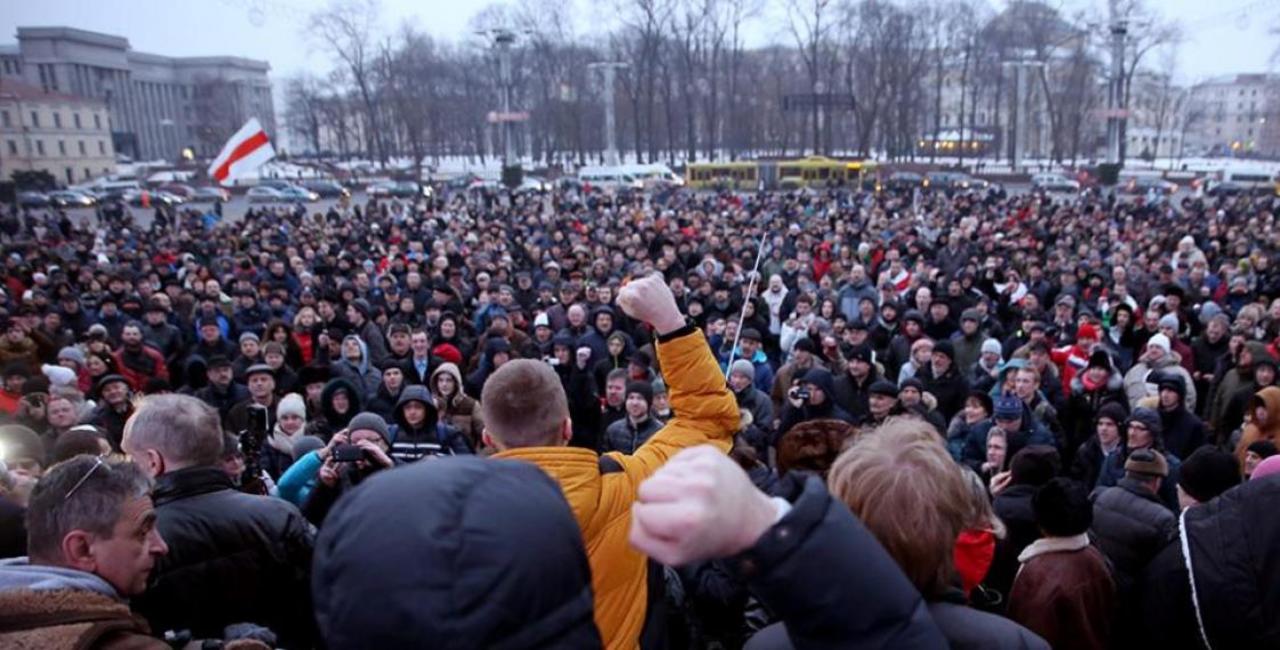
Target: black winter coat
[[950, 390], [1183, 431], [1130, 525], [803, 569], [1013, 506], [233, 558]]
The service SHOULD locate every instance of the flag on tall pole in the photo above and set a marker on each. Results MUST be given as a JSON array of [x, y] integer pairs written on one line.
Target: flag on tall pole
[[246, 151]]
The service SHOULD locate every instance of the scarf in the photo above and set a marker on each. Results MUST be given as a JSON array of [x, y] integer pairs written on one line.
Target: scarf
[[283, 442]]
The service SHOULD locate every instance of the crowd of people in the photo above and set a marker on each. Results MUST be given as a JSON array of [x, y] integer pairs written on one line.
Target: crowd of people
[[577, 419]]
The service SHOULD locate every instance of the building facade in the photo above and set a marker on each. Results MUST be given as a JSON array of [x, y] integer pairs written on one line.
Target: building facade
[[1235, 115], [65, 135], [158, 105]]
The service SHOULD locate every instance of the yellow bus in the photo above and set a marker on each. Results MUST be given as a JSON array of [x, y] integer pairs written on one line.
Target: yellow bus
[[814, 171], [743, 175]]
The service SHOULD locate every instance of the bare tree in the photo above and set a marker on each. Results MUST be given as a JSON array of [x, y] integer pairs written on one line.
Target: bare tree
[[811, 23], [303, 98], [347, 29]]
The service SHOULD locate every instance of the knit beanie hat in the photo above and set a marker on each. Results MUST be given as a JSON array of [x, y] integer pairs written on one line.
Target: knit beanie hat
[[1007, 407], [1034, 465], [371, 422], [1148, 462], [1208, 472], [744, 367], [991, 346], [1169, 320], [291, 404], [73, 353], [642, 388], [1160, 341], [1148, 418], [1111, 411], [945, 346]]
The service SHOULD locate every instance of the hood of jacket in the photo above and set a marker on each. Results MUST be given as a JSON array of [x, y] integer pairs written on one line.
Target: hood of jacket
[[439, 579], [450, 369], [19, 573], [363, 364], [326, 401], [416, 393]]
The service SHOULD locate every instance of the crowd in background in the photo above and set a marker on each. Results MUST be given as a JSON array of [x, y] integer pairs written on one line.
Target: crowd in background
[[1056, 417]]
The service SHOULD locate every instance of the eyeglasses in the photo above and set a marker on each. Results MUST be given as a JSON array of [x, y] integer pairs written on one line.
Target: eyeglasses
[[102, 460]]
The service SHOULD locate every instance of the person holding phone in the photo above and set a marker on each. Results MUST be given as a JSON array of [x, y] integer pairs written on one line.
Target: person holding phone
[[346, 465]]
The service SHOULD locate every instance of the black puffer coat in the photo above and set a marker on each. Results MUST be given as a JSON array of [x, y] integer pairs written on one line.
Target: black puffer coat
[[1130, 525], [408, 561], [233, 558]]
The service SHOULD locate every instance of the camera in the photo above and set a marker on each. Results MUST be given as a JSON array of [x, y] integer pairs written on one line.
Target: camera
[[348, 453]]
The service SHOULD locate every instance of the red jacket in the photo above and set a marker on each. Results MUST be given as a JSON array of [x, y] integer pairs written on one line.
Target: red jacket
[[137, 378], [974, 551]]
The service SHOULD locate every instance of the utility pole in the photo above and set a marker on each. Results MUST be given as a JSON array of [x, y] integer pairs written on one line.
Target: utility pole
[[1018, 118], [502, 40], [1119, 29], [610, 70]]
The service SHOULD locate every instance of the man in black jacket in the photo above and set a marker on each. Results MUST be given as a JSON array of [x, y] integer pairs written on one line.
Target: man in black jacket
[[222, 392], [233, 557]]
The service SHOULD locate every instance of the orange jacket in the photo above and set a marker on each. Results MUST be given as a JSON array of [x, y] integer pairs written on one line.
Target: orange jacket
[[705, 412]]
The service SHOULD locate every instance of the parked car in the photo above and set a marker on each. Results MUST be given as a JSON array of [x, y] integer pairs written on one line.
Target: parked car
[[261, 194], [33, 200], [151, 198], [1054, 183], [276, 184], [398, 190], [298, 195], [1229, 188], [326, 189], [1145, 184], [954, 181], [904, 181], [210, 195], [533, 184], [178, 189], [71, 199]]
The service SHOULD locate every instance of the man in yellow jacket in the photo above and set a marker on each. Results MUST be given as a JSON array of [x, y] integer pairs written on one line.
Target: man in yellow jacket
[[526, 417]]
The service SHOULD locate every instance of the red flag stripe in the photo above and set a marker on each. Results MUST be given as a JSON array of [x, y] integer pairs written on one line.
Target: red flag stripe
[[243, 149]]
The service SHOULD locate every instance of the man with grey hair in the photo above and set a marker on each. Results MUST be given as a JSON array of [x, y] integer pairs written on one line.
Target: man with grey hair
[[93, 542], [235, 557]]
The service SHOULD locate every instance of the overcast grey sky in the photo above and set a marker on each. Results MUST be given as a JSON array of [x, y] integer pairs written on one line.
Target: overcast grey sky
[[1223, 36]]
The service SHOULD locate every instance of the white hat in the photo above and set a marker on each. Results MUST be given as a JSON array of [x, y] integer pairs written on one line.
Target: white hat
[[541, 320], [1160, 341]]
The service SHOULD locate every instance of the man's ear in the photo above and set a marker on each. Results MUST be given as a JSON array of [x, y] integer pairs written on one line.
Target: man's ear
[[77, 551], [488, 440], [566, 432]]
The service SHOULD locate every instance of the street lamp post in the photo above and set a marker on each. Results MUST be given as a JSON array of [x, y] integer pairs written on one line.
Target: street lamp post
[[610, 70]]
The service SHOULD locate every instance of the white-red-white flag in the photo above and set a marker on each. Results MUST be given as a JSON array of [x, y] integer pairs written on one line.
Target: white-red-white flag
[[246, 151]]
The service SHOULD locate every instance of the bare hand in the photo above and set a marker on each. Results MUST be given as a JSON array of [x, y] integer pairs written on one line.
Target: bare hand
[[699, 505], [339, 438], [1000, 481], [376, 452], [650, 300], [329, 473]]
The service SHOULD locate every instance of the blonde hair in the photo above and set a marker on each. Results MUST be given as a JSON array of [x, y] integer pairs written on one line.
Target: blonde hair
[[905, 487]]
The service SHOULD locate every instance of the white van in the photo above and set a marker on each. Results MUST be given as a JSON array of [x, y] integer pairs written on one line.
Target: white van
[[655, 174], [610, 178], [1255, 181]]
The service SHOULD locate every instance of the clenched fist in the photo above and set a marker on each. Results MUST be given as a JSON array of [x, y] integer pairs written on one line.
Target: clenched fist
[[699, 506], [650, 300]]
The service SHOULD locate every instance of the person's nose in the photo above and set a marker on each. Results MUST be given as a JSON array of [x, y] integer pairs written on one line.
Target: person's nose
[[158, 545]]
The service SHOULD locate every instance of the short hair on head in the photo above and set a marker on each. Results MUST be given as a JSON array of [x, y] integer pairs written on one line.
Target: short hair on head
[[905, 487], [1062, 507], [184, 429], [617, 374], [524, 405], [77, 442], [94, 506]]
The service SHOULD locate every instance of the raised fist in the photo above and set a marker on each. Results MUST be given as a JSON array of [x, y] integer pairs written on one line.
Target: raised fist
[[650, 300]]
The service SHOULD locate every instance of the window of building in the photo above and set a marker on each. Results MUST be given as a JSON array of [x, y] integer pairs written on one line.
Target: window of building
[[82, 149], [4, 118], [62, 148], [76, 119], [87, 173], [71, 176], [13, 148], [57, 120], [97, 121], [40, 147], [35, 119], [102, 147]]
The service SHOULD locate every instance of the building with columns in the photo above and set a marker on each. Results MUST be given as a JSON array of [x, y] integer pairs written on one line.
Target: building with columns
[[158, 105]]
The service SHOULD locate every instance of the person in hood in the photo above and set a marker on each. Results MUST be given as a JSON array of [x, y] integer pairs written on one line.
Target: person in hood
[[1262, 423], [356, 365], [819, 405], [339, 402], [93, 544], [453, 406], [418, 432], [603, 323], [616, 346], [1139, 382], [291, 424], [499, 511], [1144, 430], [497, 351]]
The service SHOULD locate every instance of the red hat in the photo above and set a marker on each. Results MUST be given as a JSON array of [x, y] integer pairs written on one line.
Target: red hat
[[1087, 331], [448, 352]]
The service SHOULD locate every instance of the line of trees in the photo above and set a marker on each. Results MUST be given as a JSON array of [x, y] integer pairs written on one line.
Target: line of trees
[[694, 89]]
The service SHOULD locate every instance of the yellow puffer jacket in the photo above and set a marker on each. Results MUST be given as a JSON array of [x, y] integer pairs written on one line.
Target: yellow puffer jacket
[[705, 413]]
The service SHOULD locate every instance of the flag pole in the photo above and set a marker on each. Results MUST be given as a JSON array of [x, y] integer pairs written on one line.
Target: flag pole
[[751, 283]]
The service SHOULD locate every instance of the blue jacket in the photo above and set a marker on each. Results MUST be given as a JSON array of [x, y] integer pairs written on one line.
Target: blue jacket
[[296, 483]]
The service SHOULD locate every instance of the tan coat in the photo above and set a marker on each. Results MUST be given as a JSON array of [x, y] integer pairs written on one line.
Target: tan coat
[[70, 618]]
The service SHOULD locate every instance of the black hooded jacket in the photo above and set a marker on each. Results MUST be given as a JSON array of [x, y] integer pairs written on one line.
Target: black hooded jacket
[[411, 558], [430, 438]]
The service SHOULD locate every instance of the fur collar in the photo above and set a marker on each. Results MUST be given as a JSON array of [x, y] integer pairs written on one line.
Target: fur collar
[[1046, 545]]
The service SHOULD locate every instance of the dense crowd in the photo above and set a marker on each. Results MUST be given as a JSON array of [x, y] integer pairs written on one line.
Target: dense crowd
[[576, 419]]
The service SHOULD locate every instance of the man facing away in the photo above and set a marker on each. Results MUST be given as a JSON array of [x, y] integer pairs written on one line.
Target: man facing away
[[526, 417]]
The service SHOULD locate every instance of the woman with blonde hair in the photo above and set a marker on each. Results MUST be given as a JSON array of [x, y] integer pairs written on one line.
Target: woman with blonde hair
[[904, 486]]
